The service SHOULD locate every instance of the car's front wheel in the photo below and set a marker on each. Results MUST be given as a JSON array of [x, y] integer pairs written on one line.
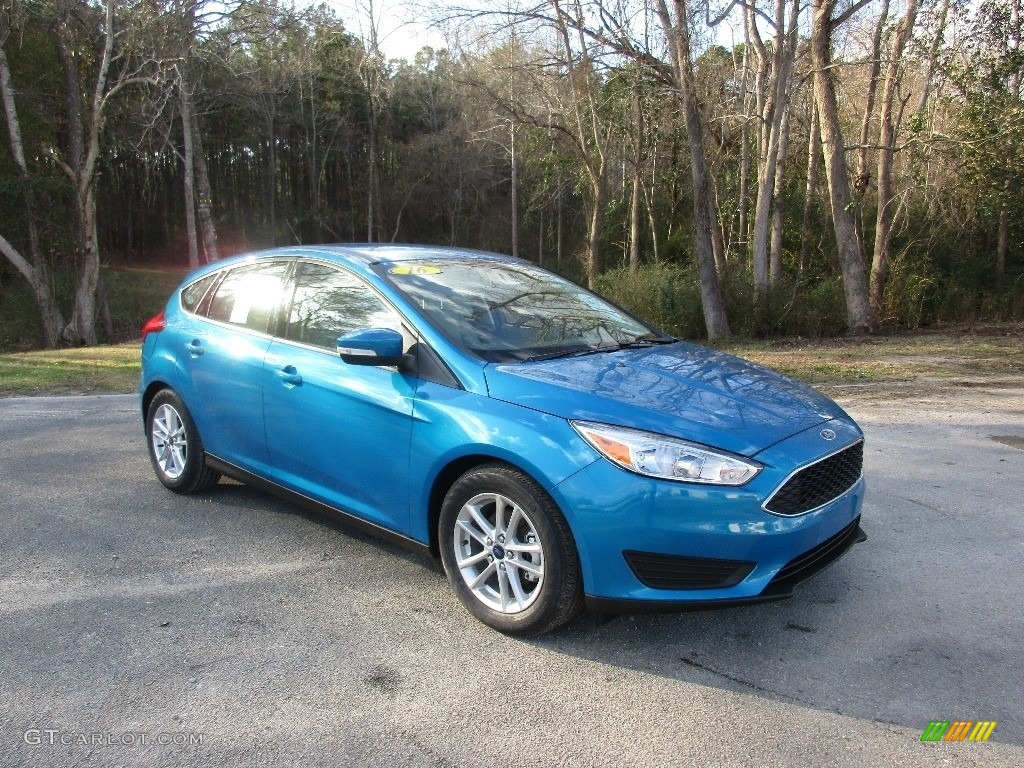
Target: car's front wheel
[[508, 552], [175, 448]]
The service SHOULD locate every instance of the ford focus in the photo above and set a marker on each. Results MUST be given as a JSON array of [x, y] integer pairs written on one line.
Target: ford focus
[[556, 453]]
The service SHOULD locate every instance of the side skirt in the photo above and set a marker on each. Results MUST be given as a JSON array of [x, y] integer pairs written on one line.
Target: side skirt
[[324, 510]]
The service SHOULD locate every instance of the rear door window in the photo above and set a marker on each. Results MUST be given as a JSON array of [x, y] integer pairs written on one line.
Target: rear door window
[[249, 296]]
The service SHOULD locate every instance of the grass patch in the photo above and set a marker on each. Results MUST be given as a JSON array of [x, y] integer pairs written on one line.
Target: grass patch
[[950, 356], [79, 371], [993, 351]]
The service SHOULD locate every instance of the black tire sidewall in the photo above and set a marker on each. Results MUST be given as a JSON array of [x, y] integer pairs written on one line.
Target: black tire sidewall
[[561, 567]]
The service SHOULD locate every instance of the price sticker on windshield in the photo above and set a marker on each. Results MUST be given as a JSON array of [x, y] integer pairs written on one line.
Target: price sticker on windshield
[[415, 269]]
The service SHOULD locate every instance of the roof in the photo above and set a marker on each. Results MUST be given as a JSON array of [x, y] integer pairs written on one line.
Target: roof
[[375, 253]]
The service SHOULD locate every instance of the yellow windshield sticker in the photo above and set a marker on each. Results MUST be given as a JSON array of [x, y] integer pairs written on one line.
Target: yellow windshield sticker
[[415, 269]]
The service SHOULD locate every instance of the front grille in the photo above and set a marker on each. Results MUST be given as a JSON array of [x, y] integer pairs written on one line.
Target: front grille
[[673, 572], [819, 483], [813, 560]]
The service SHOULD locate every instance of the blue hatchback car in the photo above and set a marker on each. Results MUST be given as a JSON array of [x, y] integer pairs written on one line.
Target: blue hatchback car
[[554, 451]]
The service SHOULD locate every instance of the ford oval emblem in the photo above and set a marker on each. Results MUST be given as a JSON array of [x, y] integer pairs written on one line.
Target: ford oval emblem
[[828, 434]]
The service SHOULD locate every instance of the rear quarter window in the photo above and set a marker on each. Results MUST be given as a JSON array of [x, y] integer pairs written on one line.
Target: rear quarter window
[[192, 295]]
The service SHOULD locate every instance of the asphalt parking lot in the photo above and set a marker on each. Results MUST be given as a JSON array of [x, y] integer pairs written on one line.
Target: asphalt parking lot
[[231, 629]]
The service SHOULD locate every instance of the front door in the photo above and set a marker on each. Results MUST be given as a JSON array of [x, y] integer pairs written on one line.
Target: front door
[[336, 432]]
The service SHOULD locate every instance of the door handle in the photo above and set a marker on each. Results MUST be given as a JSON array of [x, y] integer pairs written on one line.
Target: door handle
[[289, 375], [196, 348]]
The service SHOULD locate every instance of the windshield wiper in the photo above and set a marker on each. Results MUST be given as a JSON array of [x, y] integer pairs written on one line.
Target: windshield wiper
[[574, 352], [642, 341]]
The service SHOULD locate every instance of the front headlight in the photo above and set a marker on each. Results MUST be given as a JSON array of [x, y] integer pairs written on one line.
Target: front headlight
[[666, 457]]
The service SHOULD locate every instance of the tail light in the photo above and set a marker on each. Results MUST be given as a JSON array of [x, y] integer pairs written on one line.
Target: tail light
[[155, 324]]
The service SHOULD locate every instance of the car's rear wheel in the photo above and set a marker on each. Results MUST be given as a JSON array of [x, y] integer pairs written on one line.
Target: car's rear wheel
[[508, 552], [175, 448]]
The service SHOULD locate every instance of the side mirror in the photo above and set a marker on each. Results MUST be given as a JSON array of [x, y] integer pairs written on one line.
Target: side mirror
[[374, 346]]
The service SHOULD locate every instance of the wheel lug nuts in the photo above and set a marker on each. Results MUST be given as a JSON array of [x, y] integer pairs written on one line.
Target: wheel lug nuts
[[489, 543], [502, 538], [490, 558], [501, 566]]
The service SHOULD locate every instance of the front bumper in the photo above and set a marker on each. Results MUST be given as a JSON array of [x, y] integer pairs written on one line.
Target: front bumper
[[779, 588], [613, 512]]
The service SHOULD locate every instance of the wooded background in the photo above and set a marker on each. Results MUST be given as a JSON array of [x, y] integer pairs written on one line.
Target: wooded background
[[846, 165]]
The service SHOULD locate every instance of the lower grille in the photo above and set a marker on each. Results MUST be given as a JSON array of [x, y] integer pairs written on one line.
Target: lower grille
[[813, 560], [673, 572], [819, 483]]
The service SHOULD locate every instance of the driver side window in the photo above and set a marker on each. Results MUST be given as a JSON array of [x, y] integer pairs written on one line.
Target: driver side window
[[329, 303]]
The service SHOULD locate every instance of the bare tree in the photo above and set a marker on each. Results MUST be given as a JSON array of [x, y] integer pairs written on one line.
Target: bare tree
[[851, 260], [590, 135], [1013, 49], [374, 76], [196, 171], [676, 26], [774, 76], [187, 125], [863, 178], [34, 268], [85, 121], [889, 119], [811, 193]]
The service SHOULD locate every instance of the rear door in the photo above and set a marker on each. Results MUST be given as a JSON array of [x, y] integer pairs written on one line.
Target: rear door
[[336, 432], [222, 360]]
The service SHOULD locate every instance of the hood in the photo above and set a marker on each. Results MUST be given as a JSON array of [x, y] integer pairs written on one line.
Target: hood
[[682, 390]]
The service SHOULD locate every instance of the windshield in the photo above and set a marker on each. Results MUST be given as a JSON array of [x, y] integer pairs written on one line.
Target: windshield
[[510, 311]]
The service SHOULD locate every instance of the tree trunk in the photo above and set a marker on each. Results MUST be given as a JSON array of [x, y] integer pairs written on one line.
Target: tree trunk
[[42, 292], [1014, 46], [590, 137], [744, 204], [203, 190], [540, 238], [514, 194], [887, 147], [715, 223], [635, 197], [189, 175], [933, 55], [855, 286], [634, 224], [594, 232], [82, 326], [811, 195], [33, 270], [272, 172], [558, 224], [1003, 245], [863, 178], [776, 109], [775, 257], [651, 221], [678, 34]]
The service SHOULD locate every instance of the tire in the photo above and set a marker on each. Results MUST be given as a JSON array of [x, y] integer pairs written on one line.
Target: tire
[[520, 574], [175, 448]]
